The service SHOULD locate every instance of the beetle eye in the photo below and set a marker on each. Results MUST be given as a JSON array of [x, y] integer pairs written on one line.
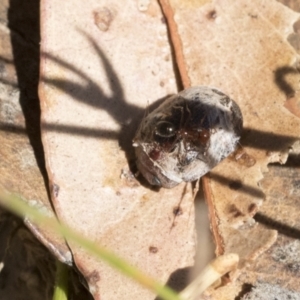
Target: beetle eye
[[165, 129]]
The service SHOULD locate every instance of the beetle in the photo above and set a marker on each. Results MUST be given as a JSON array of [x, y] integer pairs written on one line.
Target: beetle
[[187, 136]]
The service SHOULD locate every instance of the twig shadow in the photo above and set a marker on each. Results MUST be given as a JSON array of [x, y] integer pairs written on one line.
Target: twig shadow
[[282, 228]]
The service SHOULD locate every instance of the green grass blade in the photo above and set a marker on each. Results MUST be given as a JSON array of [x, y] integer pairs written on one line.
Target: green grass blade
[[61, 281]]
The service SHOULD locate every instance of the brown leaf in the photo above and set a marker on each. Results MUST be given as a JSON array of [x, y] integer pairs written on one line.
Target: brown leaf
[[112, 59], [241, 47]]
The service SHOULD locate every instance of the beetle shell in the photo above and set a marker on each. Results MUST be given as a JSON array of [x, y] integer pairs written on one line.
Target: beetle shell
[[187, 135]]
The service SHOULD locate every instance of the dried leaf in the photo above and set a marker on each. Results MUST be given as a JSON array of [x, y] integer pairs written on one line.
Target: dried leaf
[[241, 48], [95, 84], [223, 54]]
